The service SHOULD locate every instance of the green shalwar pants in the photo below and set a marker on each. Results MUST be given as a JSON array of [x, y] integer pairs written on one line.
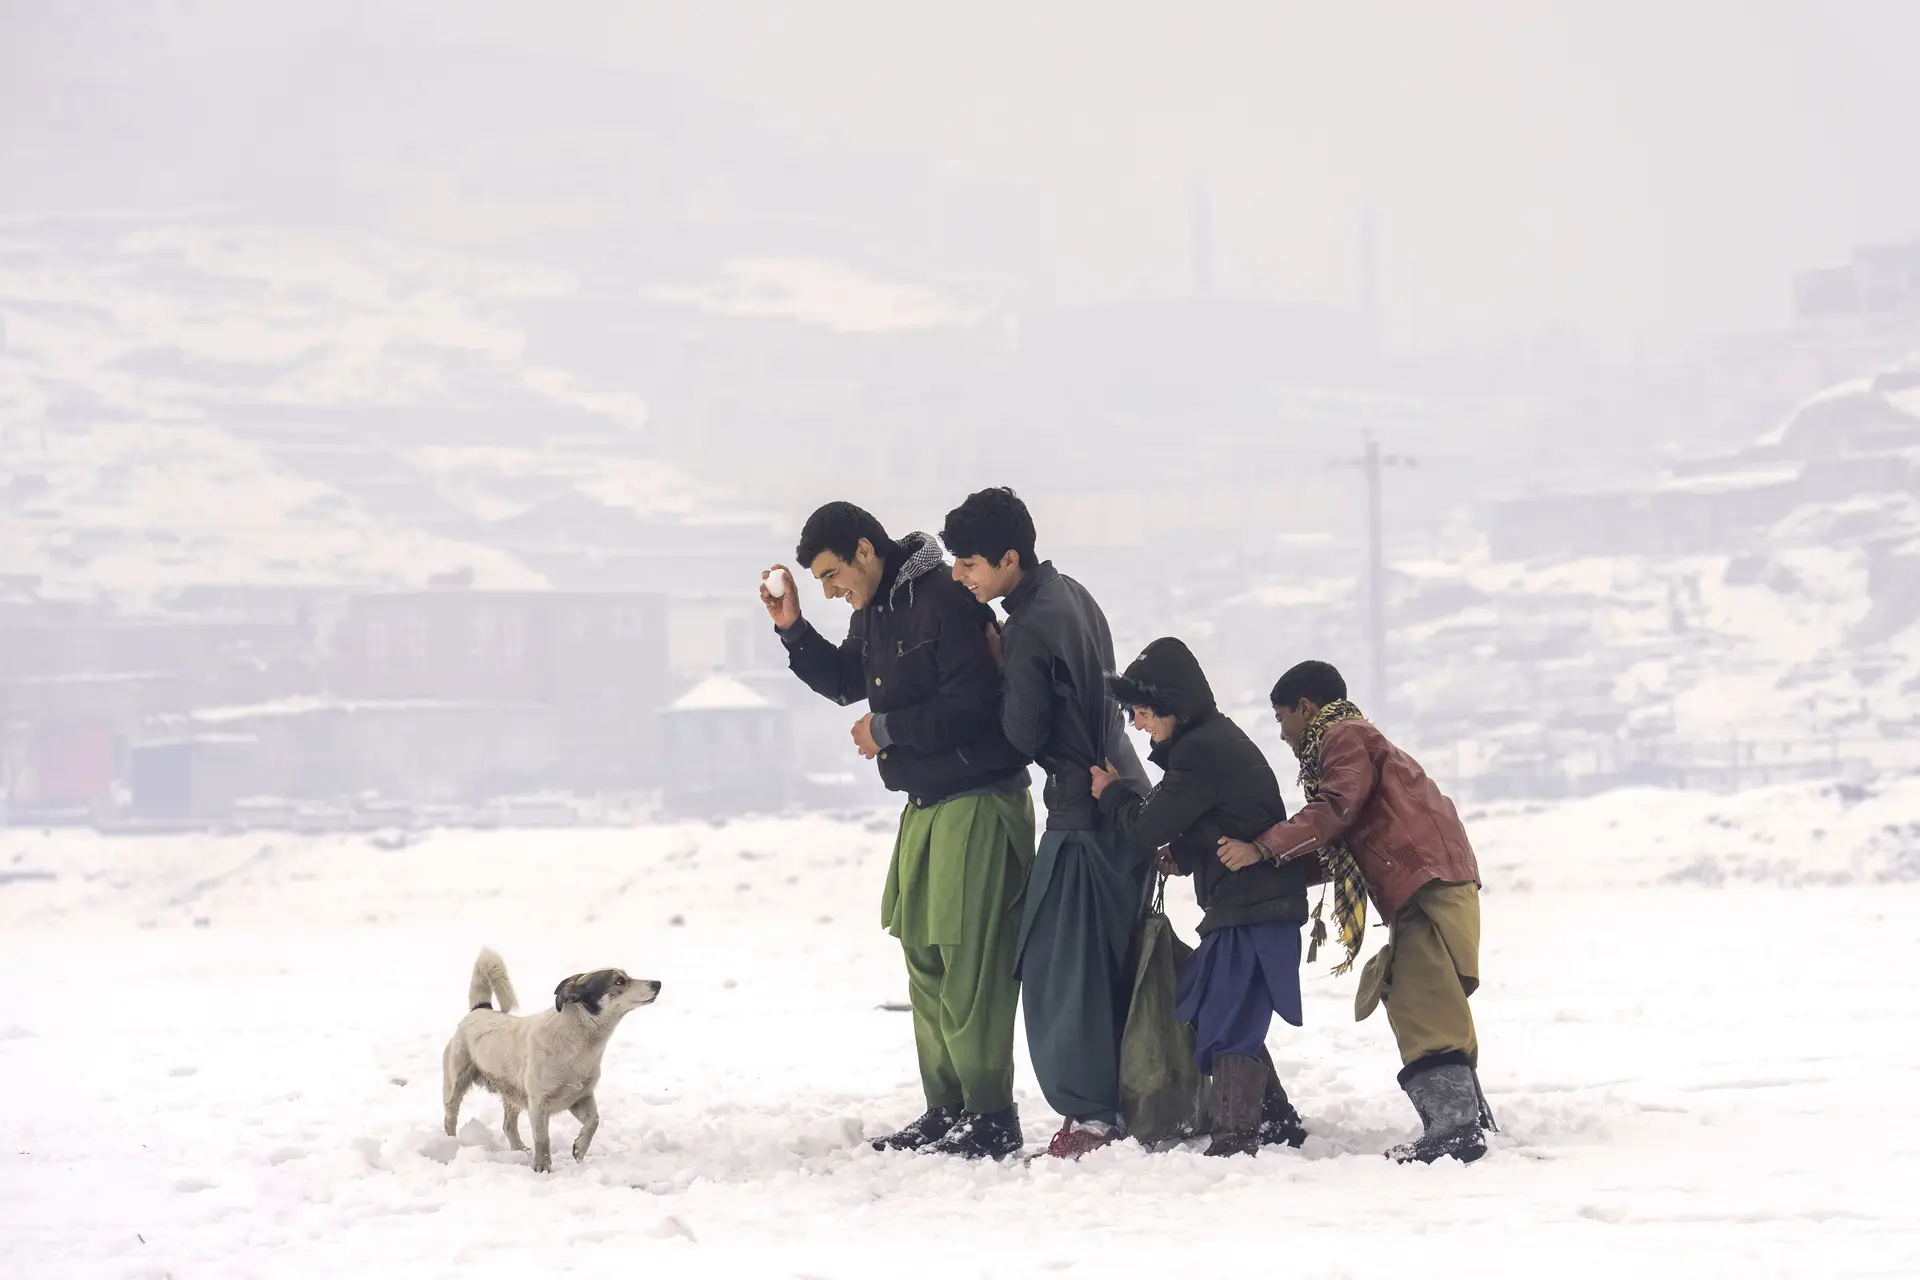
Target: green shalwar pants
[[953, 899], [1083, 913]]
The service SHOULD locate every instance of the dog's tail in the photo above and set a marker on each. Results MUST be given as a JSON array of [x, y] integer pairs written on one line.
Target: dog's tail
[[490, 983]]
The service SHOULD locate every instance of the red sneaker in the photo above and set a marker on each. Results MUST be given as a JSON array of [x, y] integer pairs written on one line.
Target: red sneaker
[[1077, 1137]]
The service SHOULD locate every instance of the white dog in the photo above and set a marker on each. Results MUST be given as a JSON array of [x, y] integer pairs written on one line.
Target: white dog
[[544, 1063]]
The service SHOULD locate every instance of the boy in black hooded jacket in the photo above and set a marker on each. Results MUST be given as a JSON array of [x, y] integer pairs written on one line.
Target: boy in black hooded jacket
[[1215, 782]]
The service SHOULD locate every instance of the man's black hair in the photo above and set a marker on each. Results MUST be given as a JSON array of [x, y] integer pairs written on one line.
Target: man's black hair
[[838, 527], [1317, 682], [989, 524]]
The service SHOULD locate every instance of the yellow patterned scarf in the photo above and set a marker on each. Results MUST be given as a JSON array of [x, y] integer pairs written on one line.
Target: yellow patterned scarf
[[1343, 873]]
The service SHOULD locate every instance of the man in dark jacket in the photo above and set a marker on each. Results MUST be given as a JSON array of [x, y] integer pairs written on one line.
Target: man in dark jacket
[[1085, 897], [918, 653], [1382, 829], [1215, 783]]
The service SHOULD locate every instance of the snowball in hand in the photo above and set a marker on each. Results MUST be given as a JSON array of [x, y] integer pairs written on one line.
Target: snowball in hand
[[776, 581]]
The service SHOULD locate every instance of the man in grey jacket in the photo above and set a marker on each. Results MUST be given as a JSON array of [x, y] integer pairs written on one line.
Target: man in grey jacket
[[1085, 893]]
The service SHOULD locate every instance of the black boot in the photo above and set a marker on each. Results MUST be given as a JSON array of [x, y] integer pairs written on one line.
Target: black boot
[[1239, 1085], [1446, 1094], [1486, 1112], [930, 1127], [1279, 1122], [992, 1136]]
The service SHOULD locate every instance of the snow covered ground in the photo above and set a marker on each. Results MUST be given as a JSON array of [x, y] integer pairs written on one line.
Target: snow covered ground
[[223, 1056]]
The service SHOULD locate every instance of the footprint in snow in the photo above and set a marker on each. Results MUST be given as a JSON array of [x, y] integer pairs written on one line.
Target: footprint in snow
[[440, 1149]]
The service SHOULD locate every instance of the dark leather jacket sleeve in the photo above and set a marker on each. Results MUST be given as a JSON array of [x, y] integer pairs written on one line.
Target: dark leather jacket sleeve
[[835, 673], [1347, 780], [1026, 708]]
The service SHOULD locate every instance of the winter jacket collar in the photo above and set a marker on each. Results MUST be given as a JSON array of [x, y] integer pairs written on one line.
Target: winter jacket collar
[[1161, 752], [1030, 584], [919, 555]]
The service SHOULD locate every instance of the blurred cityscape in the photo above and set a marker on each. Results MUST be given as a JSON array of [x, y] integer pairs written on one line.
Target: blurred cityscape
[[314, 515]]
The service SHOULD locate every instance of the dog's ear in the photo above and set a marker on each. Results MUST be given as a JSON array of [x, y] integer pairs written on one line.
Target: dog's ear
[[584, 989]]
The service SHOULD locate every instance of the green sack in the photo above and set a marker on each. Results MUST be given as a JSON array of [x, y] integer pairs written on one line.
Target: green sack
[[1163, 1096]]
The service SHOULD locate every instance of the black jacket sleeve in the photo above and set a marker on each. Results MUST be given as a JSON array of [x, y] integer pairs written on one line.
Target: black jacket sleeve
[[1027, 697], [839, 674], [1184, 793], [966, 704]]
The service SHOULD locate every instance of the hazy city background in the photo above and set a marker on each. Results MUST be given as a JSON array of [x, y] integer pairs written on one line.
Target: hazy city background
[[398, 402]]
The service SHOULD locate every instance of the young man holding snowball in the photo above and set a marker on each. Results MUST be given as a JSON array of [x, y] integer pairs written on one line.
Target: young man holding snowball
[[919, 653]]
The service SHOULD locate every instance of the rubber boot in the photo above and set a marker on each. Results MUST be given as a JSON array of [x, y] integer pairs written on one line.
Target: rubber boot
[[1446, 1095], [1279, 1122], [1239, 1087]]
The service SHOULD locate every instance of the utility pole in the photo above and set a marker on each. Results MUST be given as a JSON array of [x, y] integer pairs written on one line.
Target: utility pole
[[1371, 464], [1200, 240]]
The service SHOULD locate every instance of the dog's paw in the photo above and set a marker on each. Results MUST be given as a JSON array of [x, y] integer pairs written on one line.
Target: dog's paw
[[451, 1126], [542, 1163], [579, 1148]]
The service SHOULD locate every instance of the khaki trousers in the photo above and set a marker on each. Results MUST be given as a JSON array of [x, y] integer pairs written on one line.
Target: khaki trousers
[[1425, 973]]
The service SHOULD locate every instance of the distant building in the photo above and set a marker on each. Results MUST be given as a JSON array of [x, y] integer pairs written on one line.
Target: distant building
[[716, 631], [597, 663], [727, 751], [333, 750], [208, 659], [62, 767], [1882, 282], [62, 736], [1851, 440], [281, 602], [195, 779]]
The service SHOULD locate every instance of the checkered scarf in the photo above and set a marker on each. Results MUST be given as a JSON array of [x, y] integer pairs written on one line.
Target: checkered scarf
[[1343, 873]]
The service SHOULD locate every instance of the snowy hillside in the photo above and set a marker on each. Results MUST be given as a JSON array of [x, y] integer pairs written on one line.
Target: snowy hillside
[[197, 401], [1742, 620], [1676, 1067]]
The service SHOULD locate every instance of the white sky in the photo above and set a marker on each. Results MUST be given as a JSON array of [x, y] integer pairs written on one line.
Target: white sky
[[1643, 172]]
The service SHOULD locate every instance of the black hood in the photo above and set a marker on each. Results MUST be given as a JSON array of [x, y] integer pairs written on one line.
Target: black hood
[[1166, 677]]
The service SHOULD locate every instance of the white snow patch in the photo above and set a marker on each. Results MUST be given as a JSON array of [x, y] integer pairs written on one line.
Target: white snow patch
[[1838, 391], [1729, 481], [829, 294], [1295, 593]]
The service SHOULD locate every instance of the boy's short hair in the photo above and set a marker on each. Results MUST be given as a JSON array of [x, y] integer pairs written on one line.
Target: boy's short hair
[[1317, 682], [838, 527], [989, 524]]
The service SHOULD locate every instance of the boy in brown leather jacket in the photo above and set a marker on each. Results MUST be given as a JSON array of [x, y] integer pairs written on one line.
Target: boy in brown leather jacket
[[1383, 830]]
